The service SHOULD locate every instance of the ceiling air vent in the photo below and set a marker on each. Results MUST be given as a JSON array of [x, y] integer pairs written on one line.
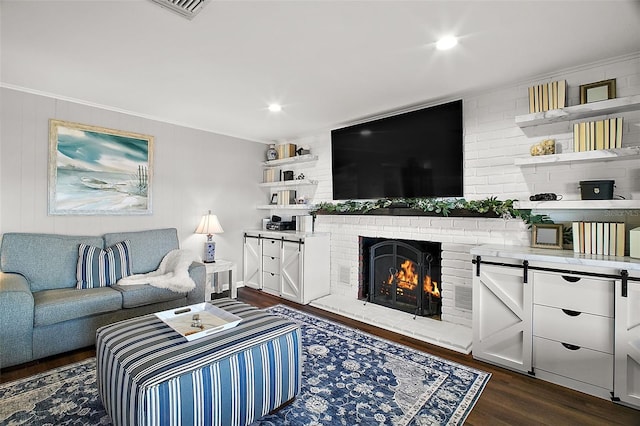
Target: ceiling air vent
[[186, 8]]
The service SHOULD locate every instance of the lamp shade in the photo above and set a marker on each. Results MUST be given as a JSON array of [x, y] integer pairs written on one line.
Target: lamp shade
[[209, 225]]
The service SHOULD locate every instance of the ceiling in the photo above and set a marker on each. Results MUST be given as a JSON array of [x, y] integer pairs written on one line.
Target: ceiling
[[327, 62]]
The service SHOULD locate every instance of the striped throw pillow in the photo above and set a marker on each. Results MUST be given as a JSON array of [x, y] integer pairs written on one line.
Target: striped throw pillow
[[102, 268]]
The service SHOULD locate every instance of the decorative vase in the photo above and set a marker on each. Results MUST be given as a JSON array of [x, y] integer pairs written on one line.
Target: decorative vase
[[272, 153]]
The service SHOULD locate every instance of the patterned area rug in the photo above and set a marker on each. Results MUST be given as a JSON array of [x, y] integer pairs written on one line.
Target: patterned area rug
[[349, 378]]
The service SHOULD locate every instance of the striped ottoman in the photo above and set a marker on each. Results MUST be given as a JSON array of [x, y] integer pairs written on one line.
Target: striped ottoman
[[148, 374]]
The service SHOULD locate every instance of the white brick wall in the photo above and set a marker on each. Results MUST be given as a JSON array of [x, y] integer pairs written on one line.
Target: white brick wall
[[457, 236], [491, 143]]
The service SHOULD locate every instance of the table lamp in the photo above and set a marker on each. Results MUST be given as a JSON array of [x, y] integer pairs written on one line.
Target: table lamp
[[209, 225]]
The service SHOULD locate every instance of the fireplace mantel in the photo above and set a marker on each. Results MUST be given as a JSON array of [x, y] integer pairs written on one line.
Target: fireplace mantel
[[403, 211]]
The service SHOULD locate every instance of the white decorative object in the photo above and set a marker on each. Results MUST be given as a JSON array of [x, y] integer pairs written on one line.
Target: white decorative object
[[199, 320], [272, 154], [209, 225], [172, 274]]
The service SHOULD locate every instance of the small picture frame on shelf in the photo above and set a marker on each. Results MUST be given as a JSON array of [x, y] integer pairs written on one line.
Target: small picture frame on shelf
[[274, 198], [547, 235], [598, 91]]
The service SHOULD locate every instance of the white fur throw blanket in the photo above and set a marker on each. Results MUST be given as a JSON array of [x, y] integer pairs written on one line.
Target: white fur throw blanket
[[172, 274]]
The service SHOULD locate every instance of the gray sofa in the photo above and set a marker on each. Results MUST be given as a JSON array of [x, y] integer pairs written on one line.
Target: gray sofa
[[41, 311]]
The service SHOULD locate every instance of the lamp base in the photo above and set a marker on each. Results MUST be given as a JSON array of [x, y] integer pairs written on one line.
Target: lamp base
[[209, 252]]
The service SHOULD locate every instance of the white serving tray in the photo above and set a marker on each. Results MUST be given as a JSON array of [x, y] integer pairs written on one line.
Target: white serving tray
[[212, 320]]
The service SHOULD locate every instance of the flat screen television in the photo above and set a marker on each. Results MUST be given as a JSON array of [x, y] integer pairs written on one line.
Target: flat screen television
[[418, 154]]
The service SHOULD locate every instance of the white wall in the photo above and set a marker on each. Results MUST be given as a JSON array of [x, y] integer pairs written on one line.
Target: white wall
[[194, 171]]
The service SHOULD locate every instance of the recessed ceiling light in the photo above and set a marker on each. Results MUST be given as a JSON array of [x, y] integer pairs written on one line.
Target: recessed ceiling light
[[275, 107], [446, 42]]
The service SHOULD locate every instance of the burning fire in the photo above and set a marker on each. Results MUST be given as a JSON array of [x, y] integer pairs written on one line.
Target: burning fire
[[407, 279]]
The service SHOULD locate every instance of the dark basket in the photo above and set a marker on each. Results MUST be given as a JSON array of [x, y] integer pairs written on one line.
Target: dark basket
[[596, 189]]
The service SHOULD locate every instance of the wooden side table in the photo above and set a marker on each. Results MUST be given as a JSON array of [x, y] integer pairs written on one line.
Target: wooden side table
[[213, 284]]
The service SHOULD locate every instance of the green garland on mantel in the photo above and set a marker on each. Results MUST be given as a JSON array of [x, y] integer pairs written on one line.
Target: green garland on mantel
[[434, 207]]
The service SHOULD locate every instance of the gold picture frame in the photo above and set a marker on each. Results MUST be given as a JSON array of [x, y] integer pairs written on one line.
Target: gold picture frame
[[545, 235], [598, 91], [98, 171]]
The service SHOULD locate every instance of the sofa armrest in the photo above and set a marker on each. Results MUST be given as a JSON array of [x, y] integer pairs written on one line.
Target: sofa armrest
[[198, 274], [16, 320]]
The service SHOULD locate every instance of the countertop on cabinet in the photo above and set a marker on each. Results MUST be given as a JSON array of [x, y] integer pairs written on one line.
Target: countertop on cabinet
[[285, 234], [567, 257]]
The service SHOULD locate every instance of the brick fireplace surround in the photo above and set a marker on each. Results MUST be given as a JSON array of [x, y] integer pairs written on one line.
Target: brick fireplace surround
[[457, 235]]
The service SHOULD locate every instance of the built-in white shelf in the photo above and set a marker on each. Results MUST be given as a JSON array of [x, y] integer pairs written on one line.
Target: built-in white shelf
[[576, 112], [285, 207], [579, 205], [288, 183], [291, 160], [585, 156]]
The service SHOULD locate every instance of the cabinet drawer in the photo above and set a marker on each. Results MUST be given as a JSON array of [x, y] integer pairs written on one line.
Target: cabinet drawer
[[271, 281], [574, 292], [271, 248], [585, 365], [271, 264], [585, 330]]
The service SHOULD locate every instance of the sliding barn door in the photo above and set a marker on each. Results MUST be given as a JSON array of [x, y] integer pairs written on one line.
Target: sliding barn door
[[502, 317], [291, 271], [252, 262], [626, 383]]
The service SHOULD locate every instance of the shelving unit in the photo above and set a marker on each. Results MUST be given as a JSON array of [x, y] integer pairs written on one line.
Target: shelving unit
[[576, 112], [579, 205], [548, 120], [285, 207], [288, 183], [291, 160], [585, 156]]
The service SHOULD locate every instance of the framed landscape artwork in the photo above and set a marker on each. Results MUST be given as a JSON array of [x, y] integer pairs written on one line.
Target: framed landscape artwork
[[98, 171]]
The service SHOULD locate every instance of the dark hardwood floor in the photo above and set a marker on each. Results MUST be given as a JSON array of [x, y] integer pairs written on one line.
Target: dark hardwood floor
[[508, 399]]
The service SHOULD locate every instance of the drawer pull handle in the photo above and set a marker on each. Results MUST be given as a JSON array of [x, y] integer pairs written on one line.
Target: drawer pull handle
[[570, 279], [571, 347], [571, 313]]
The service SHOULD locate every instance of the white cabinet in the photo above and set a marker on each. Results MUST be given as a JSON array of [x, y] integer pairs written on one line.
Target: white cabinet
[[252, 264], [627, 344], [292, 265], [572, 335], [581, 328], [271, 249], [292, 270], [502, 317]]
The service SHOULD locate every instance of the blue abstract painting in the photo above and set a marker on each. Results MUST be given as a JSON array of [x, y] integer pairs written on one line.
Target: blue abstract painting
[[94, 170]]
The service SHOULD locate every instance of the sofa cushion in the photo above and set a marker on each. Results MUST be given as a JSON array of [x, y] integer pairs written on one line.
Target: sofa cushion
[[47, 261], [145, 294], [54, 306], [148, 248], [102, 268]]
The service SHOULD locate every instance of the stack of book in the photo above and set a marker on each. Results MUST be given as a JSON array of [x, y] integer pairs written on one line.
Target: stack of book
[[606, 238], [286, 197], [286, 150], [543, 97], [600, 134], [269, 175]]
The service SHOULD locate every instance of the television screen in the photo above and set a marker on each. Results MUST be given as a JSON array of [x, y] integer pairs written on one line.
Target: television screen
[[411, 155]]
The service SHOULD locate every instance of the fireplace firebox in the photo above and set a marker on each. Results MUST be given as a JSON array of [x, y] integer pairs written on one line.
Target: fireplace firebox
[[402, 274]]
